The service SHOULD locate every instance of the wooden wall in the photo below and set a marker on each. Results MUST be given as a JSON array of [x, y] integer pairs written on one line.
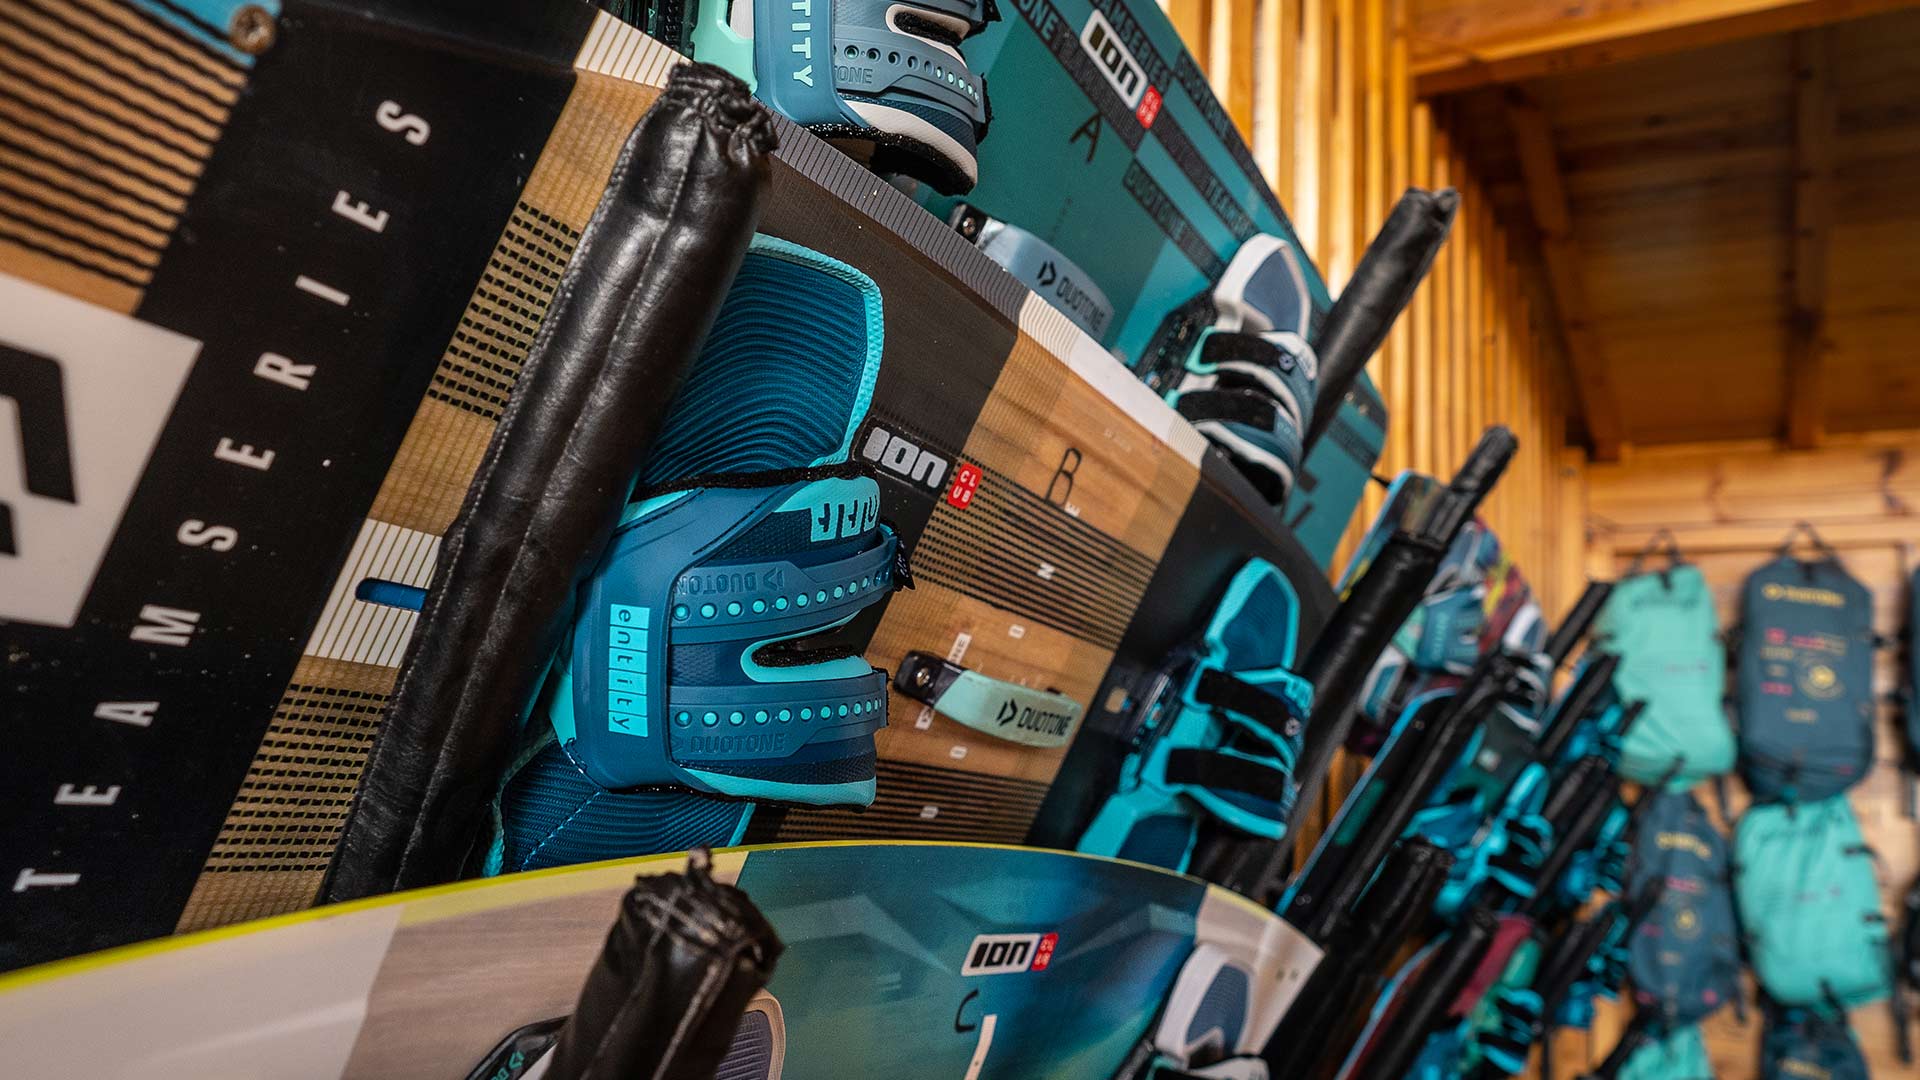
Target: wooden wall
[[1730, 504]]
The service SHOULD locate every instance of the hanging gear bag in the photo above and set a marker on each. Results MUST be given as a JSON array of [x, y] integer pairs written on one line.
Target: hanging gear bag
[[1663, 628], [1805, 682], [1685, 956], [1809, 904], [1678, 1054]]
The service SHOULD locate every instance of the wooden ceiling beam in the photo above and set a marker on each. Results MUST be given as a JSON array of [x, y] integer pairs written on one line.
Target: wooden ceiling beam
[[1547, 198], [1812, 226], [1458, 44]]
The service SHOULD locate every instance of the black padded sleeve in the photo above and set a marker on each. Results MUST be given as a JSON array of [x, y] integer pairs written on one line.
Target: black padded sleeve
[[633, 308]]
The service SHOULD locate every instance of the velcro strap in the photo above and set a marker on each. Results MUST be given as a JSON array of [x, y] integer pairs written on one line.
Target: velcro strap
[[976, 14], [1217, 771], [1221, 348], [1221, 690], [1229, 406]]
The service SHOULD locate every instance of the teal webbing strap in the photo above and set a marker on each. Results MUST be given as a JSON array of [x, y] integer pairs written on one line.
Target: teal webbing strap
[[1004, 710]]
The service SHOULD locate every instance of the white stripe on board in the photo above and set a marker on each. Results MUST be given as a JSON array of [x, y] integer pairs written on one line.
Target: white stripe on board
[[614, 48], [980, 1047], [283, 1002], [1060, 336], [353, 629]]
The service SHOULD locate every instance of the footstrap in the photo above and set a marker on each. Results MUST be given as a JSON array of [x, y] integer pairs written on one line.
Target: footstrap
[[1251, 395], [684, 668], [1227, 771], [886, 74], [1273, 717], [884, 47]]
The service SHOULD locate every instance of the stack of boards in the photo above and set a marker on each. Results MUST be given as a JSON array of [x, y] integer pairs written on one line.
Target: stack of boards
[[902, 959], [260, 320]]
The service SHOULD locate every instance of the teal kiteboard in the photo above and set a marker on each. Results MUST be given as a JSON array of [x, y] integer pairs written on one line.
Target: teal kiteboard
[[902, 959]]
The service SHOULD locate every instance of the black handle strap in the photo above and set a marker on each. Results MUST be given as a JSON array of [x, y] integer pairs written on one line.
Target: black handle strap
[[1812, 535], [1661, 542]]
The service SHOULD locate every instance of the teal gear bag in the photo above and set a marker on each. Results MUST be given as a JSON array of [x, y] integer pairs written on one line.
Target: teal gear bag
[[686, 691], [1238, 681], [1809, 904], [1679, 1054], [1805, 679], [1663, 628], [1685, 955]]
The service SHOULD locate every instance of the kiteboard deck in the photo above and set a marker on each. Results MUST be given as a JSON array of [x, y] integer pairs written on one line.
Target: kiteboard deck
[[323, 322], [901, 959]]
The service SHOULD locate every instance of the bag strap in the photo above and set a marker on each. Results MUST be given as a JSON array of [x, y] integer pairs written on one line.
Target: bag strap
[[1805, 528], [1897, 1000], [1897, 944], [1833, 1002], [1661, 542]]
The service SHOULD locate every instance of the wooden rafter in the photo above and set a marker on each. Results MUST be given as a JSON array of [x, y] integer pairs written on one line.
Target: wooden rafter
[[1459, 45], [1812, 225], [1547, 197]]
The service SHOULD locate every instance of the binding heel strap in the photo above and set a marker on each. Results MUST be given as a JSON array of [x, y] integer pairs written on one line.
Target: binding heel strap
[[1251, 395], [684, 669]]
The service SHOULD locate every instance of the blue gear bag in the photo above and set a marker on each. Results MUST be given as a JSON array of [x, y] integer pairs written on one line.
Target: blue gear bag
[[1685, 955], [1805, 680]]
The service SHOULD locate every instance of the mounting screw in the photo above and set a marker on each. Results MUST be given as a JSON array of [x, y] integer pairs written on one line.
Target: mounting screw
[[252, 30]]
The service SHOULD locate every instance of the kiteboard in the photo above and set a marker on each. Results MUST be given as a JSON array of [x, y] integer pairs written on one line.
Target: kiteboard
[[901, 959], [266, 315]]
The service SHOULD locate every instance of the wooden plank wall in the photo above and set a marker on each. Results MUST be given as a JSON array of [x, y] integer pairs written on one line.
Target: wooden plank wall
[[1322, 91], [1730, 504]]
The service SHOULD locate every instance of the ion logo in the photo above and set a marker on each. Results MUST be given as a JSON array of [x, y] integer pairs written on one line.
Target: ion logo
[[1001, 954], [84, 393], [1122, 71], [897, 455]]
